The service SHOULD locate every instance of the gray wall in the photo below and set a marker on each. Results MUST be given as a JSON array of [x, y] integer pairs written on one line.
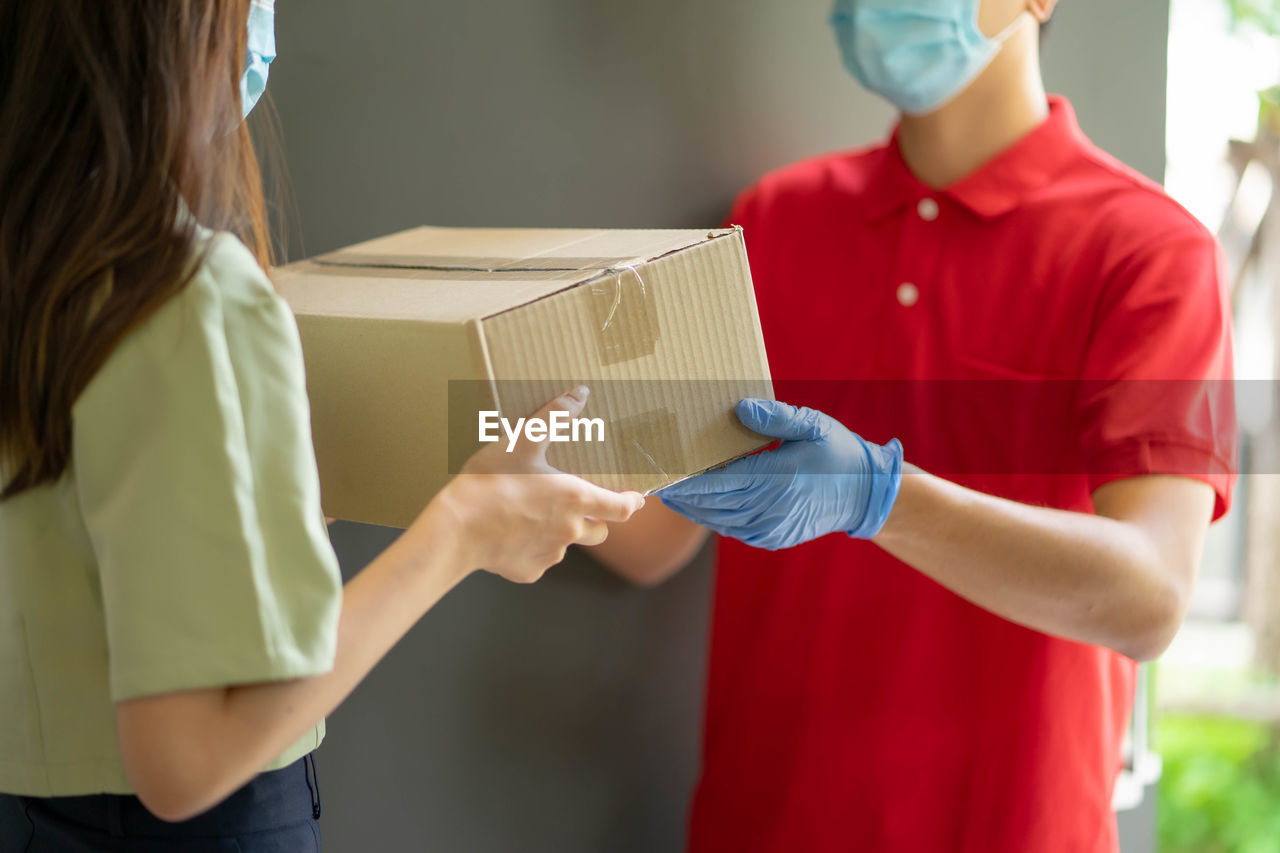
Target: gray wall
[[564, 716]]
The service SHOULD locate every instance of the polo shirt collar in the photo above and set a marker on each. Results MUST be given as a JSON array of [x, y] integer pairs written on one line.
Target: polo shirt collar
[[996, 187]]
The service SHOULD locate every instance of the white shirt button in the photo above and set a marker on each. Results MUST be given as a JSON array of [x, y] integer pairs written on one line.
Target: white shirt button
[[928, 209], [908, 294]]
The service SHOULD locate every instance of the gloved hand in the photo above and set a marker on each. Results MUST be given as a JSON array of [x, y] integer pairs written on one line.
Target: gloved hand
[[821, 479]]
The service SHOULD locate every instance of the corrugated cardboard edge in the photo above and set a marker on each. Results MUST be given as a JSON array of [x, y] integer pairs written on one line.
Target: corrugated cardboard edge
[[481, 346], [716, 467]]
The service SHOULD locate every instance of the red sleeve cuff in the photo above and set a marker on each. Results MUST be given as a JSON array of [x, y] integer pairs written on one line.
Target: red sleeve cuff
[[1169, 456]]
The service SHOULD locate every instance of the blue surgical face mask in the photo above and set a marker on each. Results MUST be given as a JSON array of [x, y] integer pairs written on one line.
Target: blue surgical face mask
[[262, 49], [918, 54]]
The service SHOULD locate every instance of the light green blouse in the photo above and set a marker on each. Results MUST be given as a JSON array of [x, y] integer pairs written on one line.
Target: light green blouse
[[184, 546]]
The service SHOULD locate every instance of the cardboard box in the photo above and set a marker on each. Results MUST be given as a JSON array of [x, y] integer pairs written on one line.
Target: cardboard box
[[408, 338]]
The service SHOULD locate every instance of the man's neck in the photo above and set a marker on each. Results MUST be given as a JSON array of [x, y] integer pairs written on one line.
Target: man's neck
[[1006, 102]]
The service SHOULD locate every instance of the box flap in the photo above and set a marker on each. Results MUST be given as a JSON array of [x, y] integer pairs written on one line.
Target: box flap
[[433, 296], [453, 275], [494, 249]]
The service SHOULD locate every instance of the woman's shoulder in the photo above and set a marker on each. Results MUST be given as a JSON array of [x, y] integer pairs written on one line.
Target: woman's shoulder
[[227, 291], [229, 271], [225, 313]]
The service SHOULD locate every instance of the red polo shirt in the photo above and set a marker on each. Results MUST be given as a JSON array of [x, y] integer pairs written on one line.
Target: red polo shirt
[[1046, 325]]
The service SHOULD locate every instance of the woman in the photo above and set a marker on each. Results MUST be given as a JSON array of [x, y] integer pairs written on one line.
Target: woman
[[172, 625]]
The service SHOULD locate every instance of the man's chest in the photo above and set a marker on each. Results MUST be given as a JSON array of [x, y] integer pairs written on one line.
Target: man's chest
[[897, 301]]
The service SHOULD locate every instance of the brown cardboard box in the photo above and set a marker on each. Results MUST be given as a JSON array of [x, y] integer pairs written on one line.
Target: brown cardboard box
[[408, 338]]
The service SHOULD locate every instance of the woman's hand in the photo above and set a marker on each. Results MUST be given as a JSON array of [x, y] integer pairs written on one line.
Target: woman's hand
[[516, 515]]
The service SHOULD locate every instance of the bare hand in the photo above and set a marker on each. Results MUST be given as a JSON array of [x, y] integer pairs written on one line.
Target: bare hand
[[518, 515]]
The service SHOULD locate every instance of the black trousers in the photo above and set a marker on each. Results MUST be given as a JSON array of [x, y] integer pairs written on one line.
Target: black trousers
[[277, 812]]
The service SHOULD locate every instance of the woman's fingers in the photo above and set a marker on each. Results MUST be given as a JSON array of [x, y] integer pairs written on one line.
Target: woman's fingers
[[593, 532], [521, 513], [604, 505], [570, 403]]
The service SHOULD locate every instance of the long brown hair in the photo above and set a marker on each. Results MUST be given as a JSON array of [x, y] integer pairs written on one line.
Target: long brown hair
[[116, 118]]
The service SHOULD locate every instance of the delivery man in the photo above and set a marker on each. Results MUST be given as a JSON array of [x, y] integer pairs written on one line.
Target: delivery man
[[907, 661]]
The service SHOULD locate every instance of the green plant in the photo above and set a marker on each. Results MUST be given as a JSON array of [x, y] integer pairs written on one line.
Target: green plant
[[1220, 792], [1269, 112], [1262, 14]]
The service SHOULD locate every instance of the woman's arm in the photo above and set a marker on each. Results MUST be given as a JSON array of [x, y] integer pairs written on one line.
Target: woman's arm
[[185, 752], [509, 513]]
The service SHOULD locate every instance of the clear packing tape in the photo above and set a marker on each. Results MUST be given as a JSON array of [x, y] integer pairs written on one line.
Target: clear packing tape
[[626, 316], [628, 329]]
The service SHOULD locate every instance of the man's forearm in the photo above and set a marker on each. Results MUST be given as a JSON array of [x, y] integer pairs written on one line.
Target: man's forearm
[[652, 546], [1089, 578]]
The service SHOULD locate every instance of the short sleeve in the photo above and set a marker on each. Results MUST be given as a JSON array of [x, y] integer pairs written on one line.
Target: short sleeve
[[747, 214], [744, 211], [1156, 394], [198, 486]]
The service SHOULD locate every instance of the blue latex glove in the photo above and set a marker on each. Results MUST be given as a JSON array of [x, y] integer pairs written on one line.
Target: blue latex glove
[[821, 479]]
